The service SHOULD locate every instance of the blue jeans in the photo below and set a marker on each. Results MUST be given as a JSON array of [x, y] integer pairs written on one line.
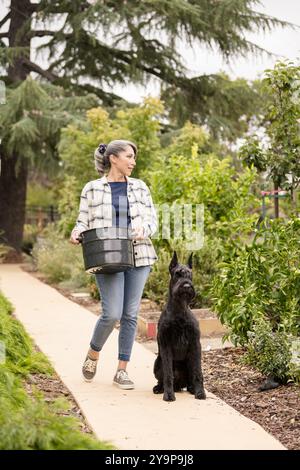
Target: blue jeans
[[121, 295]]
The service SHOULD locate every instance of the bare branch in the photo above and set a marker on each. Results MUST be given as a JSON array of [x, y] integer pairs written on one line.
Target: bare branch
[[4, 35], [42, 32], [36, 68], [4, 20]]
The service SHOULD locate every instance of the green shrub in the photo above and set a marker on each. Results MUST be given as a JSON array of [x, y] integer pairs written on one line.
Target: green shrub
[[20, 356], [271, 352], [262, 281], [59, 260], [156, 287]]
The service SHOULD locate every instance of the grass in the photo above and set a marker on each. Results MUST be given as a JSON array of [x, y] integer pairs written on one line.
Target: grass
[[27, 422]]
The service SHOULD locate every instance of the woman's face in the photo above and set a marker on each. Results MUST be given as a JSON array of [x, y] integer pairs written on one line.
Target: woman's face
[[125, 161]]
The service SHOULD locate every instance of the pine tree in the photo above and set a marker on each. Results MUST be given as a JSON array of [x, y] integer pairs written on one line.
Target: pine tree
[[100, 43], [30, 124]]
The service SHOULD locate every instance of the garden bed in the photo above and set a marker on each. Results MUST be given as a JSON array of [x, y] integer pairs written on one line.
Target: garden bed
[[277, 410], [208, 322]]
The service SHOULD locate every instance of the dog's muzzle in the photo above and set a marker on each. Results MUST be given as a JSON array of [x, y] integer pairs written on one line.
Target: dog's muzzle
[[186, 288]]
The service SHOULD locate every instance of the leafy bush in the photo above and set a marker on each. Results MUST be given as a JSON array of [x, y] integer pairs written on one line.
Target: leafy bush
[[200, 178], [271, 352], [20, 356], [262, 281], [139, 124], [156, 287], [39, 195], [60, 261]]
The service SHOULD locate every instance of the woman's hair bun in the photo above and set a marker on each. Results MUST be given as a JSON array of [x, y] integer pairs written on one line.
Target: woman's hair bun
[[102, 148]]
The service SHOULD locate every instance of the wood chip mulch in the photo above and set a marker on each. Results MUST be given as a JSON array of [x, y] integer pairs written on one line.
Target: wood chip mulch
[[53, 388], [277, 410]]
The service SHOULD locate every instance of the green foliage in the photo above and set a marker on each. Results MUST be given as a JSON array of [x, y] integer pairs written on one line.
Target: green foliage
[[31, 120], [197, 178], [271, 352], [262, 281], [38, 195], [227, 109], [205, 179], [281, 157], [20, 356], [27, 422], [139, 124], [68, 203], [223, 26], [58, 260], [183, 141], [156, 287]]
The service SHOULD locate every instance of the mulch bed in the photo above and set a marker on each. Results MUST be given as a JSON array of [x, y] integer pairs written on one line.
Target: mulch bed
[[53, 388], [277, 410]]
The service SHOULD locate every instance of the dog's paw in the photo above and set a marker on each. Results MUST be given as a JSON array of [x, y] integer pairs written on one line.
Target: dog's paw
[[158, 389], [169, 396], [200, 395]]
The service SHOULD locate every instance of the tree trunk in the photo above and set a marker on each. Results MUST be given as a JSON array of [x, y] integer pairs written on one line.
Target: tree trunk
[[276, 200], [13, 185], [14, 168]]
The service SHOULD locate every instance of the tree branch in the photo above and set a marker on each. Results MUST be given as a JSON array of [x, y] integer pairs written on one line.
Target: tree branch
[[3, 21], [4, 35], [42, 32], [36, 68]]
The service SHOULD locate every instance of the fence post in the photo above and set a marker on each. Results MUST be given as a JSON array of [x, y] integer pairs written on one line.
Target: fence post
[[51, 213]]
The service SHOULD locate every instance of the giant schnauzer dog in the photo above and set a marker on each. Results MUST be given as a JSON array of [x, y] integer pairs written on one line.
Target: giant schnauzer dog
[[178, 364]]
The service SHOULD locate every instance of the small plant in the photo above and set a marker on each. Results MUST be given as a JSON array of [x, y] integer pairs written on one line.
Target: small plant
[[271, 352], [60, 261]]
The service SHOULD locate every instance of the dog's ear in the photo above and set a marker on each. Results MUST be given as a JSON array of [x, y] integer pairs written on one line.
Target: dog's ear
[[190, 261], [174, 262]]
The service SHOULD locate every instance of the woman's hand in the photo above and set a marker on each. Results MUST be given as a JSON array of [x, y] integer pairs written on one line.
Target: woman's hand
[[74, 237], [138, 233]]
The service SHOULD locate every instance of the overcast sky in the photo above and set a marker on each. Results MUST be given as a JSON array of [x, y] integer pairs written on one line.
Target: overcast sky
[[283, 42]]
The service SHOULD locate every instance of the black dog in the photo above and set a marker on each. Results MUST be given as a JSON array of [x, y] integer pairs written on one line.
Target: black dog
[[178, 364]]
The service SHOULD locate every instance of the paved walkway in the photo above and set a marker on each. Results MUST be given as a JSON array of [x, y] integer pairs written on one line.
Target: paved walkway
[[134, 419]]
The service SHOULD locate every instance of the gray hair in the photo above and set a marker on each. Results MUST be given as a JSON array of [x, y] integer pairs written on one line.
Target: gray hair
[[102, 162]]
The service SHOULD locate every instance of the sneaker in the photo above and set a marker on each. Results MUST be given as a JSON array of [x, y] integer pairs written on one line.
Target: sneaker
[[89, 368], [122, 380]]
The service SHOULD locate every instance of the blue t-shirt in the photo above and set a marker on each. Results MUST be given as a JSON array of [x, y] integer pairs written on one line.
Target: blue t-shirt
[[121, 217]]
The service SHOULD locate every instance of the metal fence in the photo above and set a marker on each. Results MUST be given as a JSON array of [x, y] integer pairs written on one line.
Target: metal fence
[[41, 216]]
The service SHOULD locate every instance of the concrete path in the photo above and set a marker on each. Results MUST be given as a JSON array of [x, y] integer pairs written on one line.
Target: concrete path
[[134, 419]]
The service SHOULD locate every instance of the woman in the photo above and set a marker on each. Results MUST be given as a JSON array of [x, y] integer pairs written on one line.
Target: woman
[[118, 200]]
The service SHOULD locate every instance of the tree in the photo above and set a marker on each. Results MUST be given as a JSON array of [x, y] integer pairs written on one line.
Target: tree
[[100, 43], [281, 157], [30, 124]]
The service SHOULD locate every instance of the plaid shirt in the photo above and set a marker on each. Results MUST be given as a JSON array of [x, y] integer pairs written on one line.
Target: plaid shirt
[[95, 211]]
